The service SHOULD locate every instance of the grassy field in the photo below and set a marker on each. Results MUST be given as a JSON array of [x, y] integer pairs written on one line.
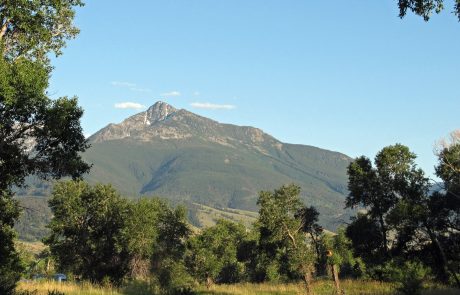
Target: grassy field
[[320, 288], [208, 215]]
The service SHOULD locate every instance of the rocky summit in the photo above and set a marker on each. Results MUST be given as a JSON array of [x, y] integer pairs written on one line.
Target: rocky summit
[[185, 157]]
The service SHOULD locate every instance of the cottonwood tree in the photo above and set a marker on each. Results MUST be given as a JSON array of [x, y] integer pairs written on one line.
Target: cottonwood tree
[[398, 197], [37, 135], [379, 188], [142, 230], [87, 232], [337, 256], [308, 217], [168, 259], [213, 254], [277, 215], [446, 202]]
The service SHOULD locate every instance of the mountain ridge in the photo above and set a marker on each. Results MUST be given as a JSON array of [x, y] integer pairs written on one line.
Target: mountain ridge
[[182, 156]]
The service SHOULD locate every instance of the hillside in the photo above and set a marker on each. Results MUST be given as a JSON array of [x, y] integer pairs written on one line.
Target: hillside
[[188, 158], [214, 169]]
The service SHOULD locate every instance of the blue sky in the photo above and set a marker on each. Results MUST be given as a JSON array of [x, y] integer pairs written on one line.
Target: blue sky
[[348, 76]]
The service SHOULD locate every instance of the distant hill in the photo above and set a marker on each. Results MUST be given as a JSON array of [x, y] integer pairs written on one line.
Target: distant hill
[[215, 169], [189, 158]]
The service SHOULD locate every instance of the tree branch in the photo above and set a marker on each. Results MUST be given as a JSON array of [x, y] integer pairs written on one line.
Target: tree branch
[[4, 28], [290, 235]]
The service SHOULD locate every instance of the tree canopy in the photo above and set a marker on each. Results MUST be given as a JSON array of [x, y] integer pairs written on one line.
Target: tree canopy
[[38, 136], [213, 254], [281, 222], [34, 28], [425, 8], [404, 220], [87, 231]]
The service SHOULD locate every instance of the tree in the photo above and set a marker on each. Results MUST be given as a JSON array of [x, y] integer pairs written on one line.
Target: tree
[[37, 135], [88, 235], [142, 232], [445, 203], [379, 188], [308, 217], [397, 197], [278, 223], [33, 28], [366, 239], [336, 255], [10, 266], [425, 8], [213, 254], [168, 264]]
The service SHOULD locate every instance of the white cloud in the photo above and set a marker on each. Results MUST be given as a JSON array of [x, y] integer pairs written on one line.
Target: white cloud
[[129, 105], [122, 84], [131, 86], [171, 93], [137, 89], [212, 106]]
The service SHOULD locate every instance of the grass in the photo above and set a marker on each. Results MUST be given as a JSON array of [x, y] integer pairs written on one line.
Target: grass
[[319, 287], [42, 288], [208, 215], [322, 287]]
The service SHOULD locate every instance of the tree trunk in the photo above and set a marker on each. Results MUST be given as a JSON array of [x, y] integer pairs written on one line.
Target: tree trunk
[[316, 244], [335, 277], [307, 279], [4, 28], [442, 255], [384, 234], [208, 282], [48, 266]]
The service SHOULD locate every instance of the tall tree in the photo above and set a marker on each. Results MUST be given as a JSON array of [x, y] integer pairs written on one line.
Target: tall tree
[[213, 254], [379, 188], [88, 236], [308, 217], [277, 216], [37, 135], [10, 266], [397, 196], [168, 259], [445, 204], [142, 230]]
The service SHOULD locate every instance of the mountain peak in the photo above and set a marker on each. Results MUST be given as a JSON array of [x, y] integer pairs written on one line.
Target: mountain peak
[[158, 112]]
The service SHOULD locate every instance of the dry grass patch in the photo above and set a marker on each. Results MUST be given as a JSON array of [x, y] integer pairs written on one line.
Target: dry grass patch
[[322, 287], [43, 287]]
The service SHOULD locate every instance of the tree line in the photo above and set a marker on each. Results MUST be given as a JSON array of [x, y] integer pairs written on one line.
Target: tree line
[[406, 230]]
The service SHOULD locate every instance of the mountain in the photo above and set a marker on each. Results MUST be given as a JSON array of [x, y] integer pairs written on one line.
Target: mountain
[[185, 157]]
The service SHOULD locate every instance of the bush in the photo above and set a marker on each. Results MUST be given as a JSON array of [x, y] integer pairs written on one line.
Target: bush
[[411, 279]]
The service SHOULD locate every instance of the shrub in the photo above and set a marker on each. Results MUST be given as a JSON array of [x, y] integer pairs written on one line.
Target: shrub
[[411, 278]]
